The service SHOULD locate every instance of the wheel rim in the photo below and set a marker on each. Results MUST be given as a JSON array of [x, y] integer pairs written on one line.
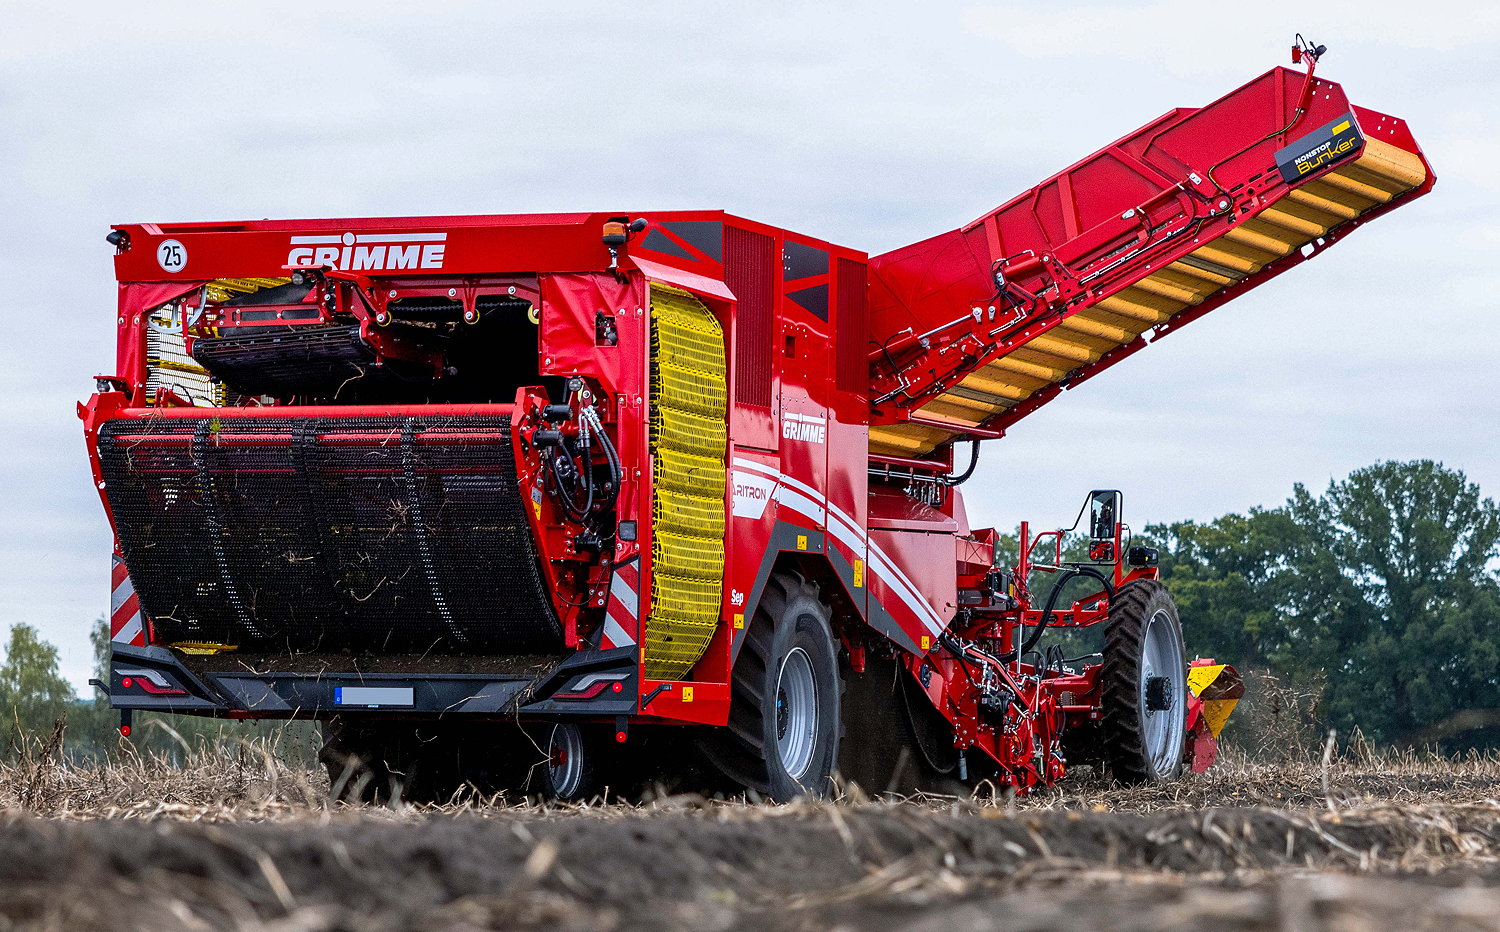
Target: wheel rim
[[1162, 718], [565, 760], [796, 713]]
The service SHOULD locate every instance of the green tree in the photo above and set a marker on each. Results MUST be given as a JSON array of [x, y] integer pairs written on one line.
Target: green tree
[[1401, 591], [92, 724], [1383, 587], [33, 695]]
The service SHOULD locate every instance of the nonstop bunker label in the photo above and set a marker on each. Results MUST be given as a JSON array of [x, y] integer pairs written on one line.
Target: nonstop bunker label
[[1318, 148]]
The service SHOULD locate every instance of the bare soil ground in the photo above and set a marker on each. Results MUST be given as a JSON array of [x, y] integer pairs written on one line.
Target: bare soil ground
[[239, 841]]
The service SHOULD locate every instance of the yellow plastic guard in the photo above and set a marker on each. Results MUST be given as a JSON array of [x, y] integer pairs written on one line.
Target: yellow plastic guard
[[1221, 688], [689, 439], [225, 288], [203, 648]]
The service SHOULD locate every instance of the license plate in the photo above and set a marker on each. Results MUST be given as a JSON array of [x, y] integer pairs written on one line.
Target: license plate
[[372, 697]]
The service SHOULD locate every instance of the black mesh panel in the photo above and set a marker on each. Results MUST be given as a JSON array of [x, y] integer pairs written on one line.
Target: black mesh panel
[[389, 534]]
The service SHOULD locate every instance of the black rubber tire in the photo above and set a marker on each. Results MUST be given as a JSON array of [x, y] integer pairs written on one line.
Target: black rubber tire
[[554, 776], [894, 742], [1125, 715], [365, 759], [790, 617], [376, 760]]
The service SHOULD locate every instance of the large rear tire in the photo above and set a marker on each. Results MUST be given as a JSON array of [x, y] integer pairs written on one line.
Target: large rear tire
[[1144, 685], [782, 739]]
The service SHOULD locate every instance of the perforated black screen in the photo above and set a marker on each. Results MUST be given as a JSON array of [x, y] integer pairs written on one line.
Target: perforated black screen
[[386, 534]]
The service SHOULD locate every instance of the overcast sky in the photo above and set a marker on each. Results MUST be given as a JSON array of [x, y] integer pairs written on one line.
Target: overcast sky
[[872, 125]]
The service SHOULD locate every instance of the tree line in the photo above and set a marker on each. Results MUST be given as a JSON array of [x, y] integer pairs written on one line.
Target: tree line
[[1381, 593], [1380, 597]]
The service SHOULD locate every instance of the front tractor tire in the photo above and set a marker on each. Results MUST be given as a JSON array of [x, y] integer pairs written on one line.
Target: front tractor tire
[[1144, 685], [782, 739]]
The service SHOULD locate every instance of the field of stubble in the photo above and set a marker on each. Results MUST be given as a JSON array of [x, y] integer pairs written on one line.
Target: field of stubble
[[239, 841]]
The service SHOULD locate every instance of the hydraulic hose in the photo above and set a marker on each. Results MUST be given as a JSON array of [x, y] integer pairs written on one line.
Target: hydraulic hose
[[611, 456], [1068, 575], [590, 429], [964, 476]]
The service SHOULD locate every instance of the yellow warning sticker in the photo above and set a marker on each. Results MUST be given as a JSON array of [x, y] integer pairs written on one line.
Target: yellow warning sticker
[[926, 642], [739, 622], [687, 694], [859, 573], [801, 541]]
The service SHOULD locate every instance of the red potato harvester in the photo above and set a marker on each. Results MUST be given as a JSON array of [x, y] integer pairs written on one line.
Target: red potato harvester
[[683, 477]]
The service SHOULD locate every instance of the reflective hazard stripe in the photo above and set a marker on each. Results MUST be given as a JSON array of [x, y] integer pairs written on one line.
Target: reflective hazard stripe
[[126, 623], [623, 614]]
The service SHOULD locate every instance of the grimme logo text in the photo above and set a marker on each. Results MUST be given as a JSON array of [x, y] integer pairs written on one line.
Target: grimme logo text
[[352, 252], [805, 427]]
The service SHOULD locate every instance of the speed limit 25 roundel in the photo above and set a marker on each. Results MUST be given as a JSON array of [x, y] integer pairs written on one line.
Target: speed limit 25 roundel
[[171, 256]]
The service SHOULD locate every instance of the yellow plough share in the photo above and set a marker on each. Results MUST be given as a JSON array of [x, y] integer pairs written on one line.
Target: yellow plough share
[[1221, 688]]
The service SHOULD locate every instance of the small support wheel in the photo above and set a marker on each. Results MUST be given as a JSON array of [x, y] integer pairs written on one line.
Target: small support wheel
[[567, 775], [1144, 685], [782, 739]]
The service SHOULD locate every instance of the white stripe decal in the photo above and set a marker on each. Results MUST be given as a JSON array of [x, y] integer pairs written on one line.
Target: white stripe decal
[[616, 633], [853, 537], [849, 533], [121, 595], [370, 238], [400, 237], [800, 503], [130, 631], [593, 678], [881, 562], [628, 597]]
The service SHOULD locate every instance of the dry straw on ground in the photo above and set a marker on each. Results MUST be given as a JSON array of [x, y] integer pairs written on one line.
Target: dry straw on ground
[[239, 840]]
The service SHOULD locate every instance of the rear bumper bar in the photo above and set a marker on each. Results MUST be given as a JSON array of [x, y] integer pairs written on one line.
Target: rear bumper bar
[[587, 684]]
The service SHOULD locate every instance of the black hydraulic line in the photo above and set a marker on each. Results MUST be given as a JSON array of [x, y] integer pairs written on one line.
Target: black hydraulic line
[[1067, 660], [586, 473], [964, 476], [616, 473], [1068, 576], [564, 494], [957, 650]]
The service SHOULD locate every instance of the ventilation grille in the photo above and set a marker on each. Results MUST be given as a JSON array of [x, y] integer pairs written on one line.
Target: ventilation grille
[[750, 264], [851, 328]]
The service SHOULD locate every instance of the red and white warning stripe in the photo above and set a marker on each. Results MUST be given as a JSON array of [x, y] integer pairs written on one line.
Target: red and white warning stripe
[[126, 623], [622, 616]]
